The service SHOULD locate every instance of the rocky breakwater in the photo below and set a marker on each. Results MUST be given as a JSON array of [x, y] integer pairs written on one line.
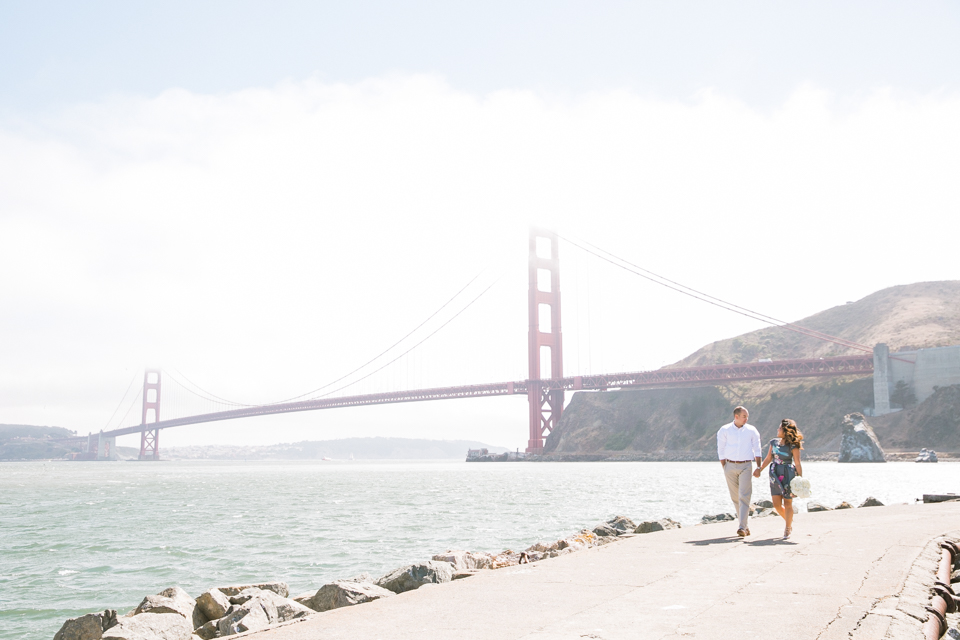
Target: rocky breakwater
[[858, 442], [173, 614], [220, 612]]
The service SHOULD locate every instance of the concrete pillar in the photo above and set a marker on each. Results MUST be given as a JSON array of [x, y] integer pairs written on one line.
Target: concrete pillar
[[881, 379], [107, 448]]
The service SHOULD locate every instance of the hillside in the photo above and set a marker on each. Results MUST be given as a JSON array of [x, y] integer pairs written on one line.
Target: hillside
[[911, 316], [341, 449], [23, 441], [682, 423]]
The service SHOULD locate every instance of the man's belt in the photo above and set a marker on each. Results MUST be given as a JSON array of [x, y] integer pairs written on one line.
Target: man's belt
[[739, 461]]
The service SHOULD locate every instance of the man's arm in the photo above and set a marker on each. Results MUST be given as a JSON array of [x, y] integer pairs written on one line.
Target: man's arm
[[721, 444], [755, 441]]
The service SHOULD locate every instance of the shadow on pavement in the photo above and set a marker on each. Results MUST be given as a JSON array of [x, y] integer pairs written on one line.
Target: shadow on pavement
[[727, 540], [771, 542]]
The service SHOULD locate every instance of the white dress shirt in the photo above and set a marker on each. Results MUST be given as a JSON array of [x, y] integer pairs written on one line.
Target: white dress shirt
[[738, 444]]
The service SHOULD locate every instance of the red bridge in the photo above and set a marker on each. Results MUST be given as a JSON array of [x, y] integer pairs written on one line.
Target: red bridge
[[545, 388]]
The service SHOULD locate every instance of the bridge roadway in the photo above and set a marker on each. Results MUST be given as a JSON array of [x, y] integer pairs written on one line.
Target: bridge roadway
[[668, 377]]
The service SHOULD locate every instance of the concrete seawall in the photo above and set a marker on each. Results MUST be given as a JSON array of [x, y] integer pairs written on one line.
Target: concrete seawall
[[843, 574]]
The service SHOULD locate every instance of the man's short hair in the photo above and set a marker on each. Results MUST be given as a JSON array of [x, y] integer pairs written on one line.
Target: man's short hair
[[740, 409]]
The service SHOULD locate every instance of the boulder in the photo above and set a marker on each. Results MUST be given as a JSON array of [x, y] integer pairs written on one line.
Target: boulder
[[281, 609], [816, 506], [249, 616], [604, 531], [766, 513], [871, 502], [543, 547], [460, 575], [279, 588], [858, 442], [88, 627], [461, 561], [765, 504], [151, 626], [844, 505], [622, 524], [345, 594], [210, 629], [926, 455], [173, 600], [649, 526], [720, 517], [415, 576], [213, 604]]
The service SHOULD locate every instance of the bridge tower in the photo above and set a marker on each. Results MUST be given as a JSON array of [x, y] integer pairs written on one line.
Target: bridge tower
[[150, 438], [545, 345]]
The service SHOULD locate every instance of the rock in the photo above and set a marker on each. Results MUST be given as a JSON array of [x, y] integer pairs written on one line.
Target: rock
[[460, 575], [173, 600], [287, 609], [416, 575], [249, 616], [279, 588], [766, 513], [346, 594], [461, 561], [266, 599], [88, 627], [816, 506], [622, 524], [210, 629], [858, 442], [213, 603], [543, 547], [604, 530], [927, 455], [151, 626], [844, 505], [720, 517], [650, 526], [871, 502], [765, 504]]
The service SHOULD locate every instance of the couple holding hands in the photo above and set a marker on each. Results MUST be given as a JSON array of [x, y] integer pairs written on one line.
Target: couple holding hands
[[738, 447]]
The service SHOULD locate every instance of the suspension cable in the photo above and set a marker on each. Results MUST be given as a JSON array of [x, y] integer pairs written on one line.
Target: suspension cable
[[119, 404], [704, 297], [451, 319], [132, 402], [214, 398]]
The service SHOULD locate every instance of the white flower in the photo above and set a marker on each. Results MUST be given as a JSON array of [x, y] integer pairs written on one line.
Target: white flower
[[800, 487]]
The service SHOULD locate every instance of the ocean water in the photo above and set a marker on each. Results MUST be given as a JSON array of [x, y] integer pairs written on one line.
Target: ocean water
[[81, 537]]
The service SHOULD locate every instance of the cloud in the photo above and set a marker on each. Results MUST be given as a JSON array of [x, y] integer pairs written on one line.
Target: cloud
[[265, 241]]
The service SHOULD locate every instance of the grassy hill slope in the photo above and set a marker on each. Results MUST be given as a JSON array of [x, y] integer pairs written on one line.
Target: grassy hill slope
[[925, 314]]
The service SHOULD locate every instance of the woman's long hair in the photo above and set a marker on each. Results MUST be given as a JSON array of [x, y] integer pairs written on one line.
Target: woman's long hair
[[791, 435]]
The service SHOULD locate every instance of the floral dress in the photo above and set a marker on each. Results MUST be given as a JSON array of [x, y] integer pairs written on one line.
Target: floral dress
[[782, 469]]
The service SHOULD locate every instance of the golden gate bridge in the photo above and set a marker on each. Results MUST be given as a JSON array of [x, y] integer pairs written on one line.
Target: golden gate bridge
[[545, 386]]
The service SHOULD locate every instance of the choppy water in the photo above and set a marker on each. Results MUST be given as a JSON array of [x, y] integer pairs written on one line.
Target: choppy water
[[81, 537]]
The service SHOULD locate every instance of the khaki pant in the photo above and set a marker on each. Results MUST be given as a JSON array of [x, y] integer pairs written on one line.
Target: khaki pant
[[740, 483]]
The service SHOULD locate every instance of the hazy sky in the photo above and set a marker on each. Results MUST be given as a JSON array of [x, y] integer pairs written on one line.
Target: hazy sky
[[260, 197]]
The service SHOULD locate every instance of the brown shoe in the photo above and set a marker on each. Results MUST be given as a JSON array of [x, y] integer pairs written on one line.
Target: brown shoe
[[746, 532], [742, 532]]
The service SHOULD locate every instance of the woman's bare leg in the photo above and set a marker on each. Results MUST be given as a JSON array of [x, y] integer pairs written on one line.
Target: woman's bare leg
[[778, 505], [788, 507]]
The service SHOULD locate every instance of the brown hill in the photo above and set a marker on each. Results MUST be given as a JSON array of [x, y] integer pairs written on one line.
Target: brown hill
[[910, 316], [684, 421]]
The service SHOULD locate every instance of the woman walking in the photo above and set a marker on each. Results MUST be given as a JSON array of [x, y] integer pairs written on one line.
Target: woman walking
[[783, 457]]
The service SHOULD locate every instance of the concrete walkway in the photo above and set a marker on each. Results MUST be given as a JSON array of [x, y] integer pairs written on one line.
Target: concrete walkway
[[696, 582]]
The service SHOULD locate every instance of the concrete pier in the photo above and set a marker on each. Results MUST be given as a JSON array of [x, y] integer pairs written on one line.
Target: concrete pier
[[843, 574]]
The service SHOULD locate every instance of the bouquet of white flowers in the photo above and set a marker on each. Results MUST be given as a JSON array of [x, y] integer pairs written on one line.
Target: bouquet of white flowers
[[800, 487]]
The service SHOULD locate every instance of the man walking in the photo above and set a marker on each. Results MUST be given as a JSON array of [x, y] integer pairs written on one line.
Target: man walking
[[738, 446]]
